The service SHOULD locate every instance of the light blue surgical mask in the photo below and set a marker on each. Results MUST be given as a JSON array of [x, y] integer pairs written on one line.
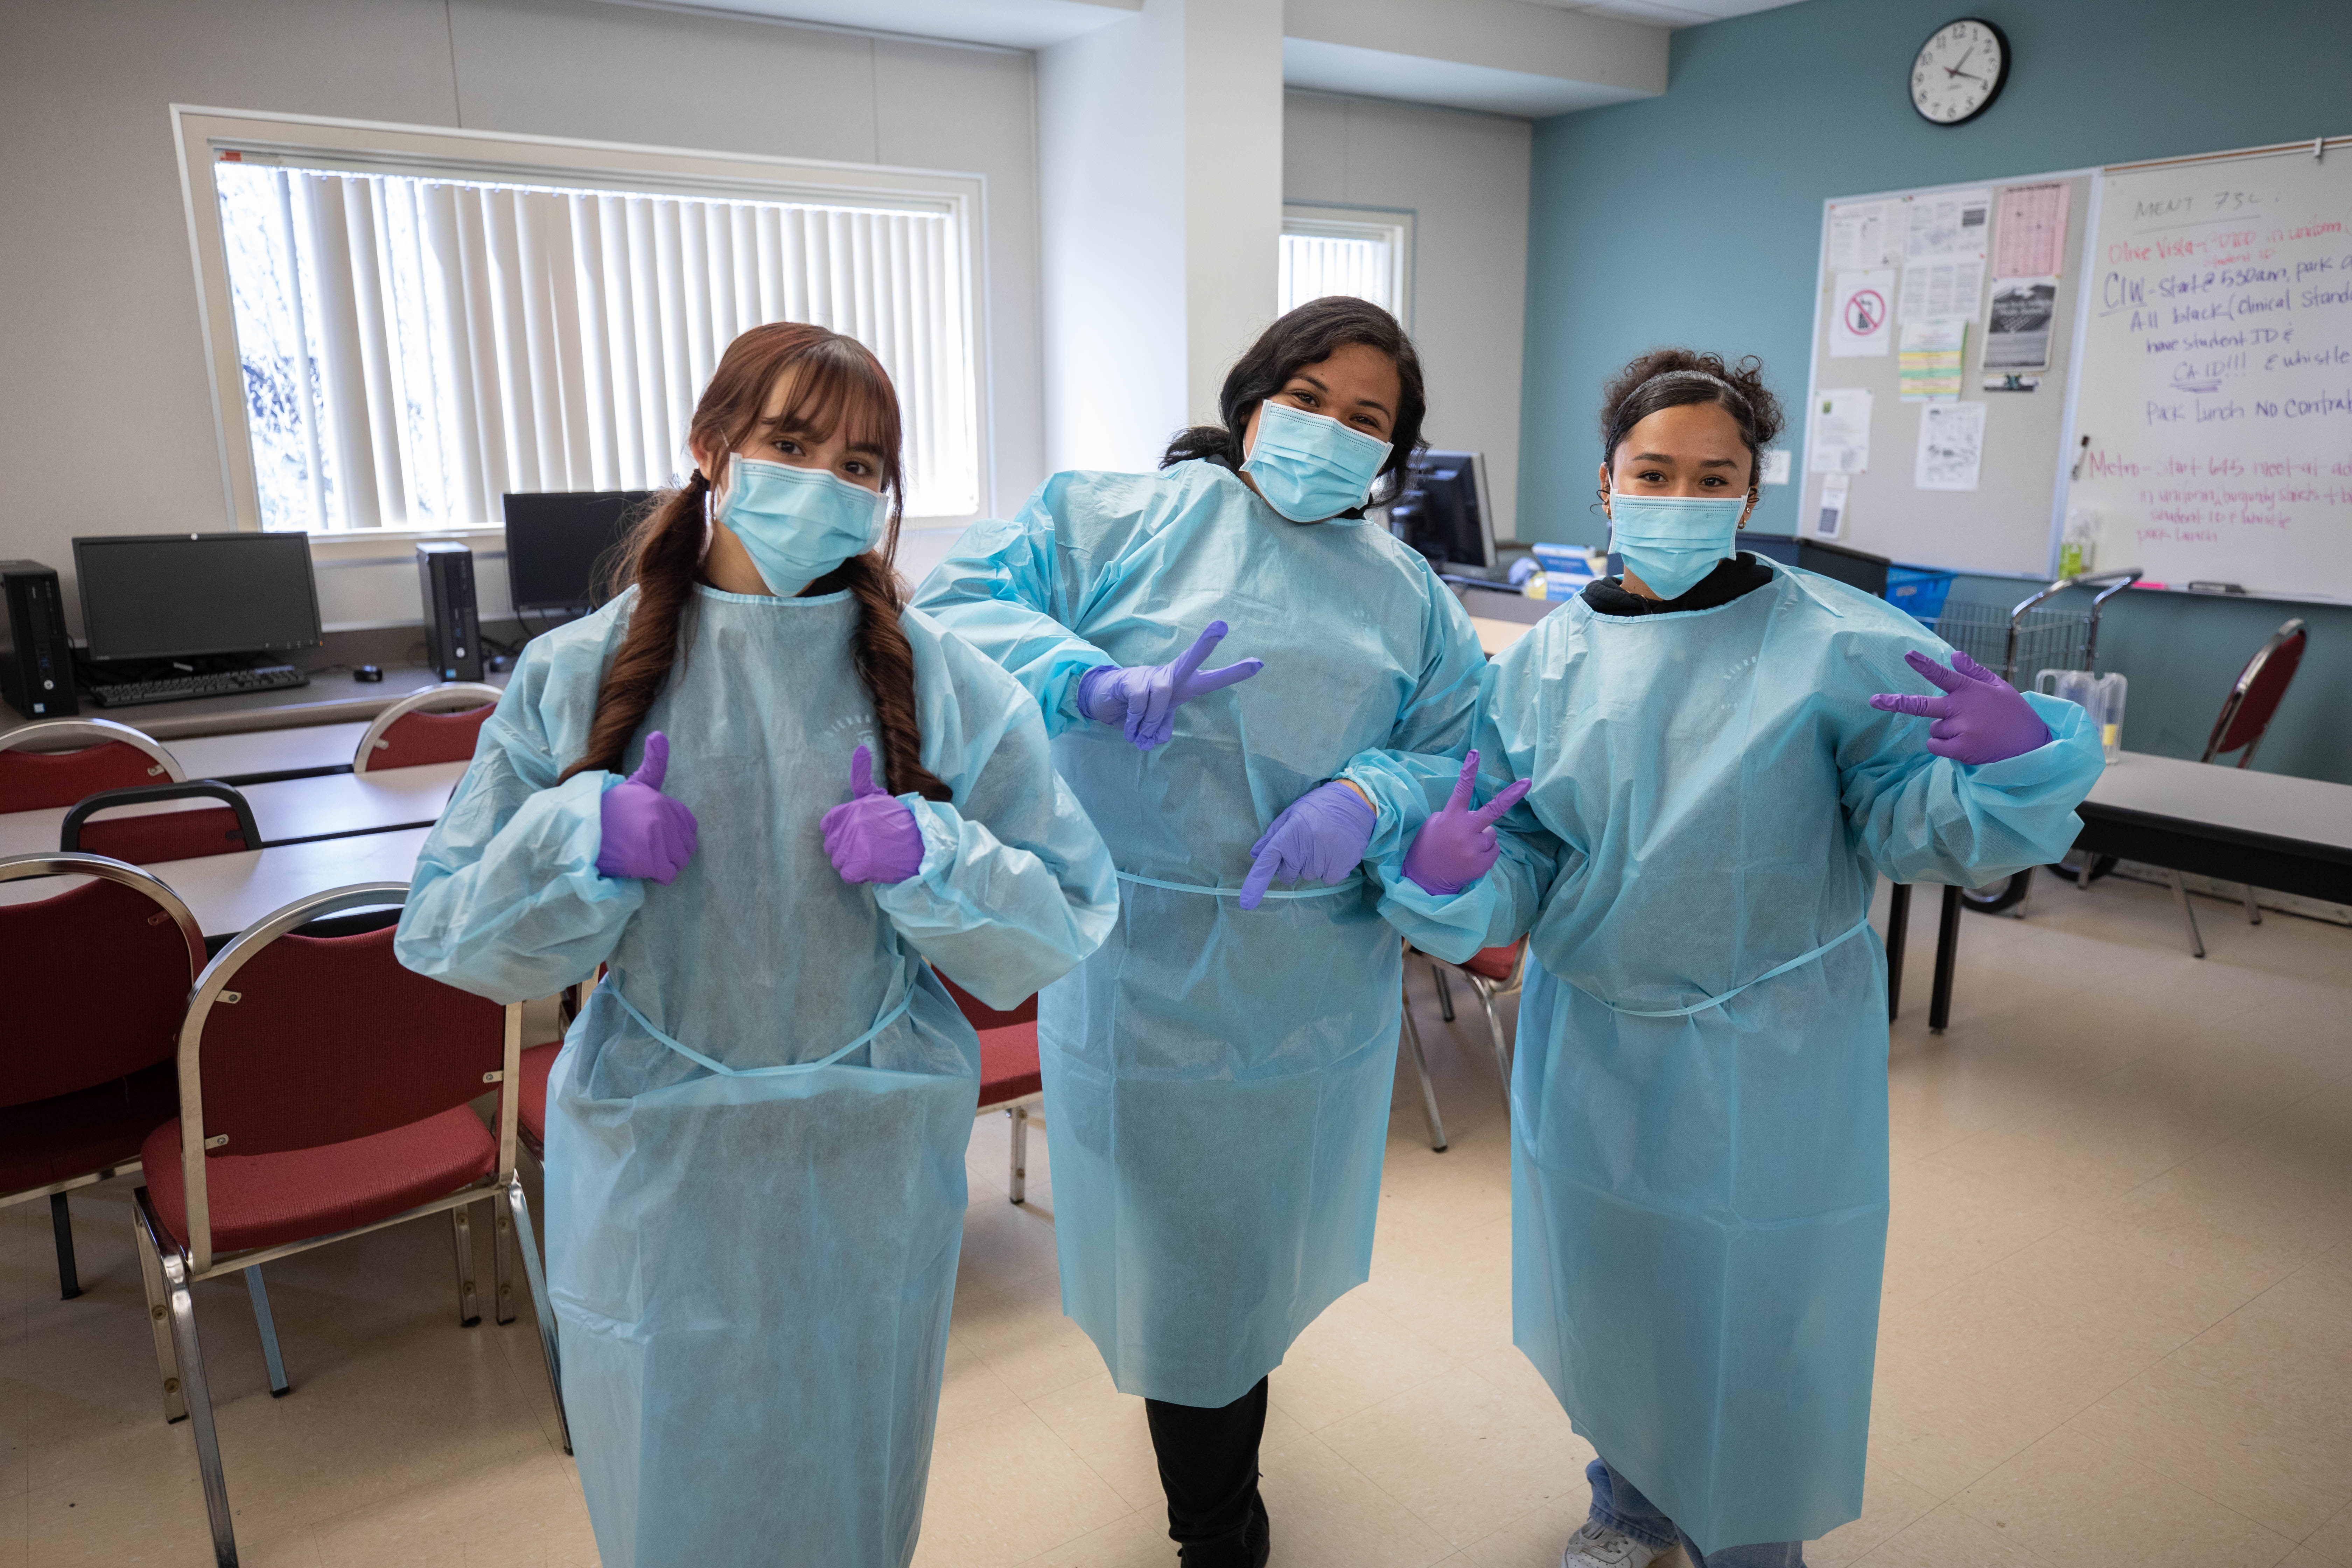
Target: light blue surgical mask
[[1672, 541], [797, 524], [1309, 467]]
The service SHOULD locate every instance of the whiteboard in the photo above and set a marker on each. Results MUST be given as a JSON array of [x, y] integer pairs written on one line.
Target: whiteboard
[[2212, 423], [2006, 525]]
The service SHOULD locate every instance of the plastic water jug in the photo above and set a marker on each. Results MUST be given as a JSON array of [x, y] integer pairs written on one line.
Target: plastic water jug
[[2101, 695]]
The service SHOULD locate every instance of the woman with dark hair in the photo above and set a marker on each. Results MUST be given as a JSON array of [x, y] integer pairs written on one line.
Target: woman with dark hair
[[1698, 1108], [1217, 1076], [756, 1129]]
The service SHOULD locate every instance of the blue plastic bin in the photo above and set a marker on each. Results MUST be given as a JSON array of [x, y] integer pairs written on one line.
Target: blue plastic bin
[[1920, 594]]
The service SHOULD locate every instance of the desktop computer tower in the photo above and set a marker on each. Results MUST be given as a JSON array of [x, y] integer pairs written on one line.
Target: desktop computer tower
[[445, 576], [36, 673]]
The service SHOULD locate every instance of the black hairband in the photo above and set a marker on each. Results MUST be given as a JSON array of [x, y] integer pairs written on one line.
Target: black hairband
[[1618, 427]]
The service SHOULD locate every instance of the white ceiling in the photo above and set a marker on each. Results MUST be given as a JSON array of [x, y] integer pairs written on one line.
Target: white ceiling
[[1660, 14], [1038, 24], [1013, 23]]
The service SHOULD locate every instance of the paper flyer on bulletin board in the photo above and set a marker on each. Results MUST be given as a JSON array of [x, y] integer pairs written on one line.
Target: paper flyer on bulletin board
[[2030, 235], [1865, 303], [2017, 335], [1951, 446], [1950, 226], [1928, 367], [1867, 234], [1841, 432]]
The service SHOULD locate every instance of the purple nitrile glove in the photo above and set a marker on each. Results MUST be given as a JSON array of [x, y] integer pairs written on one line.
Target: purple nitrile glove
[[1319, 837], [645, 833], [1457, 846], [872, 837], [1144, 696], [1980, 718]]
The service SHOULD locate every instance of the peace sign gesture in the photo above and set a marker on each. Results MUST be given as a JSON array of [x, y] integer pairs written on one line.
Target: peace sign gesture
[[1458, 844], [1144, 697]]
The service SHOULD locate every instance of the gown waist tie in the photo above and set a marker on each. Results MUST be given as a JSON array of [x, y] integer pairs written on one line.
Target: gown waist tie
[[906, 1000], [1717, 1001], [1354, 879]]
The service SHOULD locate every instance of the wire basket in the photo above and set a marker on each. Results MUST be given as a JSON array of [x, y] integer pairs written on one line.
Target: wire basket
[[2045, 639]]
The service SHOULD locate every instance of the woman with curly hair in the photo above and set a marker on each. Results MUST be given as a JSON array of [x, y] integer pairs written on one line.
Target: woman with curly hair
[[1721, 769]]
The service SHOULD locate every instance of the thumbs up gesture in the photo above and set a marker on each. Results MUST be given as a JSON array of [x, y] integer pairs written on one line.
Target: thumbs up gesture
[[645, 833], [872, 837], [1458, 846]]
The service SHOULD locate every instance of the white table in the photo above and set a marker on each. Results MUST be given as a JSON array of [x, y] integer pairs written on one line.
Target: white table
[[333, 697], [2267, 830], [230, 892], [290, 810], [2290, 835], [261, 754]]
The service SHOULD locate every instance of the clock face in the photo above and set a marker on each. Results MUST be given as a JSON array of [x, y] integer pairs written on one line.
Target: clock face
[[1959, 71]]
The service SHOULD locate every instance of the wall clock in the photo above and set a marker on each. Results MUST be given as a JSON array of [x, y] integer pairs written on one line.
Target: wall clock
[[1959, 71]]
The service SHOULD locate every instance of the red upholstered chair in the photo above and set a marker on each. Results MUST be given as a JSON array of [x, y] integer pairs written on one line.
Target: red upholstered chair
[[530, 1130], [1493, 973], [58, 761], [405, 735], [324, 1092], [95, 980], [144, 837], [1009, 1079], [2244, 718]]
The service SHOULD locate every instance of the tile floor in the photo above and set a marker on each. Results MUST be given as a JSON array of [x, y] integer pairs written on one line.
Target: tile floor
[[2118, 1327]]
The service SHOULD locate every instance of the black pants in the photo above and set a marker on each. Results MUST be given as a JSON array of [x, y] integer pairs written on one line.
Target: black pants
[[1208, 1465]]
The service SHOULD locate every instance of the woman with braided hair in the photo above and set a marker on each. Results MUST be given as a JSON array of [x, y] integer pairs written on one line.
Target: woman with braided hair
[[765, 792], [1723, 764]]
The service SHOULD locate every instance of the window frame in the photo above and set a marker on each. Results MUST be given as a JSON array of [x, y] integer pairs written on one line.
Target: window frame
[[199, 134], [1336, 220]]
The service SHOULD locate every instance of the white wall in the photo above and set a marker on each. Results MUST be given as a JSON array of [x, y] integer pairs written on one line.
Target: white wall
[[1464, 178], [106, 422]]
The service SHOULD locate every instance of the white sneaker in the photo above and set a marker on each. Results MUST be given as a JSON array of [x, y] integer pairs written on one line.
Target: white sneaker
[[1598, 1546]]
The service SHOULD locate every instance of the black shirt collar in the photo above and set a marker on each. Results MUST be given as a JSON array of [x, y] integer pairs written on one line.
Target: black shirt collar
[[1740, 575]]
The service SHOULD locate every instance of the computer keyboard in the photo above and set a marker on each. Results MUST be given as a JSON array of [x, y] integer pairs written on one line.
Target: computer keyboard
[[180, 687]]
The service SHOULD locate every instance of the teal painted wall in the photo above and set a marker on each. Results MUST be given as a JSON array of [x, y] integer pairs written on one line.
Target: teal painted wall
[[1695, 218]]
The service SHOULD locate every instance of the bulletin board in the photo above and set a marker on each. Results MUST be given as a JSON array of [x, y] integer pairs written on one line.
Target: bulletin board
[[1988, 269]]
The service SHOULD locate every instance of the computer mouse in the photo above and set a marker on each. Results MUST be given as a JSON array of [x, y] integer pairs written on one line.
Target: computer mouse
[[368, 672]]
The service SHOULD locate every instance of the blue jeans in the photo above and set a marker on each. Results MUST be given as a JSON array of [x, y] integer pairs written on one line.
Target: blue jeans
[[1619, 1505]]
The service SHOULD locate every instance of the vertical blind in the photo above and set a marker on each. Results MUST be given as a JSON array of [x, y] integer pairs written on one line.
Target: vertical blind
[[414, 347], [1314, 264]]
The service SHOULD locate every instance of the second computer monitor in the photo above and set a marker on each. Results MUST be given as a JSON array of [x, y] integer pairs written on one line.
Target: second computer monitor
[[1444, 512], [561, 546]]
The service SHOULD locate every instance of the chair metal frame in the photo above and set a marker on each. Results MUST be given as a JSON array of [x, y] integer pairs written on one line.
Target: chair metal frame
[[17, 867], [2290, 630], [89, 806], [1489, 993], [80, 735], [1027, 1108], [468, 694], [171, 1270]]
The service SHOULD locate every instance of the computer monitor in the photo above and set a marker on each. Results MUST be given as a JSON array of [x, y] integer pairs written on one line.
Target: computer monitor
[[1444, 514], [181, 595], [558, 543]]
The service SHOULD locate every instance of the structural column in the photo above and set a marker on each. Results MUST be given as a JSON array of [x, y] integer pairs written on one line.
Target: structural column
[[1160, 180]]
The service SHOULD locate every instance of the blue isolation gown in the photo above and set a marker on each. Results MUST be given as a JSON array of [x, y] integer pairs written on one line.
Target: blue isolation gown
[[1698, 1109], [756, 1129], [1217, 1078]]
